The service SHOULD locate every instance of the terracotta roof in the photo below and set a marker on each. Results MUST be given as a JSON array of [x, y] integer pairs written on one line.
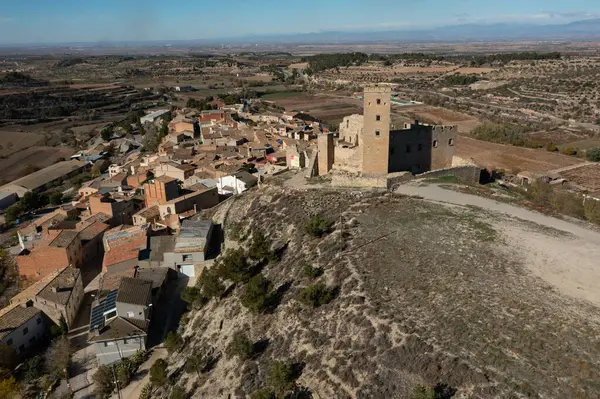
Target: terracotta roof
[[93, 231], [112, 278], [157, 275], [125, 251], [149, 212], [15, 317], [164, 179], [135, 291], [31, 291]]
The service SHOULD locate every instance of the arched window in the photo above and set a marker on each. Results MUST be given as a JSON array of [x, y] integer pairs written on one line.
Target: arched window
[[379, 101]]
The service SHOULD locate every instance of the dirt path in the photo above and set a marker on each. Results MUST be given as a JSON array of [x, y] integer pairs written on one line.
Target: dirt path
[[562, 253]]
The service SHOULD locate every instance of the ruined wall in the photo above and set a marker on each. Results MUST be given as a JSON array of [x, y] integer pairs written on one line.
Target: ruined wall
[[470, 173], [348, 159], [376, 132], [341, 179], [351, 129]]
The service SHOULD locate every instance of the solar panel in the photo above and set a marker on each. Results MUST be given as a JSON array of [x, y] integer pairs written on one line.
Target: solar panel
[[108, 303]]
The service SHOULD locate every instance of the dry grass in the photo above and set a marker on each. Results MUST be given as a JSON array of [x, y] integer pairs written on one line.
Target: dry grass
[[427, 294]]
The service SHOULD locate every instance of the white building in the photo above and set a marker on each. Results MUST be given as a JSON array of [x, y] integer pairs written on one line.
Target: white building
[[236, 183], [22, 326]]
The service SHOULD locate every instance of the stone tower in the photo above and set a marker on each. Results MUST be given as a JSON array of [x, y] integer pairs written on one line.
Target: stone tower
[[326, 154], [376, 131]]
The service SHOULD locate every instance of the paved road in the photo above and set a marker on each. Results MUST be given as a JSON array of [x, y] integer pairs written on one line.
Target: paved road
[[439, 194]]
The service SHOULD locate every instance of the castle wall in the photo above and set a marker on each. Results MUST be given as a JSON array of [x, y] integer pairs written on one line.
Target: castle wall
[[326, 152], [348, 159]]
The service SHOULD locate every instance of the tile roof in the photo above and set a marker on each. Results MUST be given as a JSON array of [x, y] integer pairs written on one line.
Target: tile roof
[[15, 317], [125, 252], [60, 288], [31, 291], [164, 179], [93, 230], [121, 327], [149, 212], [112, 278], [48, 174], [157, 275], [135, 291], [64, 239], [159, 245]]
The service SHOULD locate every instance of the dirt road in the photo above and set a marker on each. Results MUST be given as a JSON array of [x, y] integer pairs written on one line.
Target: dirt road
[[562, 253]]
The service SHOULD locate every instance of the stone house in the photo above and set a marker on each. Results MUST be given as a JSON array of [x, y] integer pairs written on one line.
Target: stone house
[[174, 170], [236, 183], [195, 201], [22, 326], [56, 252], [119, 207], [191, 246]]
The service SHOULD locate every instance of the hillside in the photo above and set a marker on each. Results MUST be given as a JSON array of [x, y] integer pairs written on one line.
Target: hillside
[[424, 294]]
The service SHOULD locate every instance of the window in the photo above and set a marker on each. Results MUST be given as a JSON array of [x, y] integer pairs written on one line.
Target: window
[[187, 258], [125, 342], [39, 320], [9, 342], [347, 123], [377, 133], [451, 142], [25, 331], [407, 148], [435, 143], [130, 314], [420, 147], [392, 151], [379, 101], [378, 118], [21, 348]]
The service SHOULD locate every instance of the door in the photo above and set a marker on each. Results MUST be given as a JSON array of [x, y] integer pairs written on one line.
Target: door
[[188, 270]]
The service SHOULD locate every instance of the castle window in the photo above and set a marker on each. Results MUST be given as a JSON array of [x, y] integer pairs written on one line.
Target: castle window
[[378, 133], [420, 147], [347, 123], [451, 142], [378, 118], [379, 101], [408, 148], [435, 143]]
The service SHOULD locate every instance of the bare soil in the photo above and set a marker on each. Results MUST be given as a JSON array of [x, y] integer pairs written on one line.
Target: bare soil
[[510, 158], [11, 167]]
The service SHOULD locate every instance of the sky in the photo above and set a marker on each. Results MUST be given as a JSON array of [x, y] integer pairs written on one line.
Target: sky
[[69, 21]]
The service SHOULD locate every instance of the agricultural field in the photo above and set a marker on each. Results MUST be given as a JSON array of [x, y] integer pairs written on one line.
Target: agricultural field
[[15, 165], [14, 141]]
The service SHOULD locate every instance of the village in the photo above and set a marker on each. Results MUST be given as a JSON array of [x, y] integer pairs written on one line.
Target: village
[[109, 264]]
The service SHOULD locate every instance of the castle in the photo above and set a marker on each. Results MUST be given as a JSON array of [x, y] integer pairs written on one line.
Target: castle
[[369, 145]]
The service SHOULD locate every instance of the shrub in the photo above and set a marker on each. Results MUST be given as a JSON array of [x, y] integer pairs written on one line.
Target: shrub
[[567, 203], [240, 346], [146, 392], [539, 192], [9, 387], [260, 247], [158, 373], [178, 393], [281, 378], [235, 231], [256, 294], [104, 381], [210, 284], [551, 147], [568, 151], [318, 226], [173, 342], [594, 155], [234, 266], [423, 392], [199, 362], [316, 295], [503, 133], [312, 272], [263, 393], [34, 368], [56, 198], [591, 210]]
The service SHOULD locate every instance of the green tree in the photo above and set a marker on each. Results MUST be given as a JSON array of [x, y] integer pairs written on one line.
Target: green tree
[[318, 226], [158, 373], [240, 346], [8, 356], [234, 266], [210, 284], [281, 378], [316, 295], [261, 247], [13, 212], [173, 342], [56, 198], [106, 133], [34, 368], [594, 155], [198, 362], [256, 293]]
